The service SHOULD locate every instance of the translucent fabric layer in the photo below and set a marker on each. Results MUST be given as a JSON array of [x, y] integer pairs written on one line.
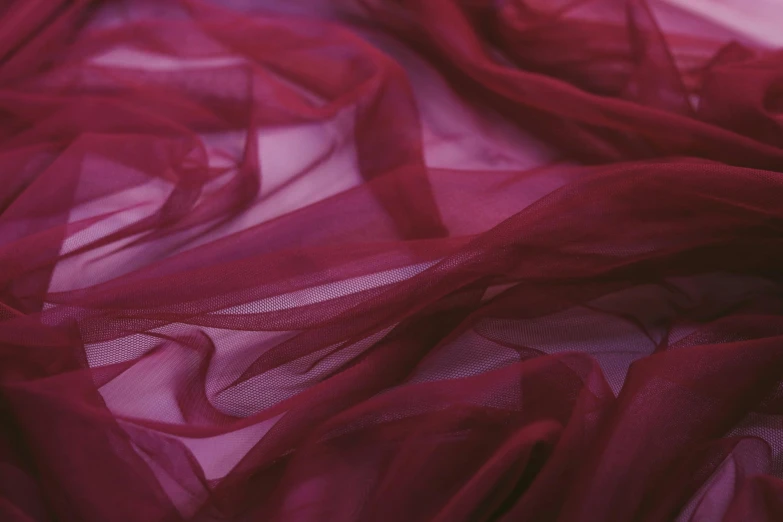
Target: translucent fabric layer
[[391, 260]]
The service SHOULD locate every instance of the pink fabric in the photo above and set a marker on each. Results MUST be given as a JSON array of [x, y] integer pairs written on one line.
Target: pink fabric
[[391, 260]]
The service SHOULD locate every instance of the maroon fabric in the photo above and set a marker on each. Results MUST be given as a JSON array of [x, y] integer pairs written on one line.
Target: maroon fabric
[[390, 260]]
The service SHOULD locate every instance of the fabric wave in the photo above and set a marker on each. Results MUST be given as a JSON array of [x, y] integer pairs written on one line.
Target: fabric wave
[[391, 260]]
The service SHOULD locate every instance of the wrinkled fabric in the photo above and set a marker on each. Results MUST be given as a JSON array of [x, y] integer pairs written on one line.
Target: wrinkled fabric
[[391, 260]]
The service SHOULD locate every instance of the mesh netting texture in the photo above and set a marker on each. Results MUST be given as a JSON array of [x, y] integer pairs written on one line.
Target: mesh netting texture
[[391, 260]]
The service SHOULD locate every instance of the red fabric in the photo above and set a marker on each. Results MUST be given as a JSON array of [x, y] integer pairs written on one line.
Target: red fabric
[[390, 260]]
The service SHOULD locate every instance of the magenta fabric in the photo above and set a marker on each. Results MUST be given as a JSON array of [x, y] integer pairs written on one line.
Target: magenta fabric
[[391, 260]]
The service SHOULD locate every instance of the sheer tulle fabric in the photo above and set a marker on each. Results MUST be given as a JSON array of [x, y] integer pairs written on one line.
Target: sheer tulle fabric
[[391, 260]]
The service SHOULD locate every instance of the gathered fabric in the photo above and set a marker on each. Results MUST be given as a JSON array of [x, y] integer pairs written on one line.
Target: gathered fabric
[[391, 261]]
